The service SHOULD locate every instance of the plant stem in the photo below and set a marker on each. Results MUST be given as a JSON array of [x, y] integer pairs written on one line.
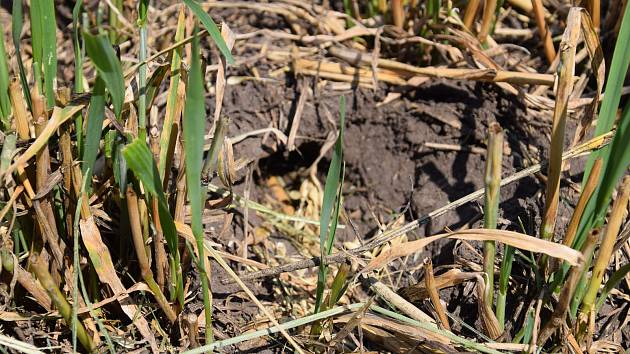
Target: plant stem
[[143, 260], [434, 295], [486, 23], [491, 205], [543, 30], [504, 281], [563, 93], [606, 248], [336, 291], [561, 309], [40, 269], [594, 9], [398, 13], [161, 260], [471, 13], [585, 196]]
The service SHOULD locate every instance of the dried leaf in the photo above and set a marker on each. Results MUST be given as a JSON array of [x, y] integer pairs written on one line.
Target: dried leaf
[[102, 262], [511, 238]]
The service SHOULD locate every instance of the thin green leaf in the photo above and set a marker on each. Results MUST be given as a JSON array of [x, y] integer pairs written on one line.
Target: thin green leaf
[[120, 165], [37, 36], [612, 283], [142, 70], [143, 6], [504, 282], [194, 130], [108, 66], [524, 335], [212, 29], [17, 21], [78, 52], [332, 199], [5, 103], [95, 116], [110, 138], [78, 68], [617, 164], [44, 33], [615, 157], [115, 22]]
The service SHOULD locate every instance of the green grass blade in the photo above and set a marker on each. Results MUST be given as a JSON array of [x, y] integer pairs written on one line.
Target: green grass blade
[[5, 103], [140, 160], [212, 29], [194, 130], [335, 216], [504, 280], [332, 199], [525, 334], [433, 9], [37, 38], [582, 286], [614, 280], [614, 156], [49, 26], [617, 164], [142, 70], [78, 68], [108, 66], [78, 52], [44, 28], [618, 69], [119, 163], [96, 114], [114, 22], [17, 21]]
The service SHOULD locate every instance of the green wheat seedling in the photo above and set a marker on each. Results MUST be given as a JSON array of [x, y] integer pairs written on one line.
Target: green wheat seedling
[[330, 206]]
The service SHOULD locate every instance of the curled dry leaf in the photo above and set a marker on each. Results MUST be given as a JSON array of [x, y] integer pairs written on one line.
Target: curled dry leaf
[[102, 261], [511, 238], [396, 327], [488, 318], [418, 292]]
